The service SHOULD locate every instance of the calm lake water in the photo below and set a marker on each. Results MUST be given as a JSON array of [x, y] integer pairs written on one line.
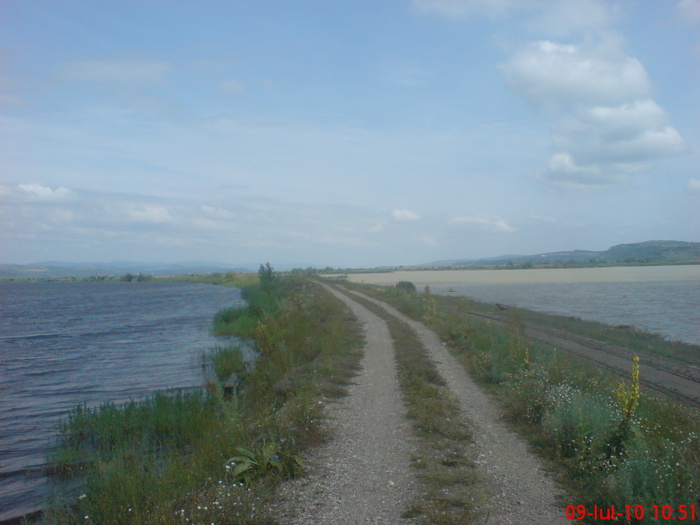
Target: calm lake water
[[659, 299], [67, 343]]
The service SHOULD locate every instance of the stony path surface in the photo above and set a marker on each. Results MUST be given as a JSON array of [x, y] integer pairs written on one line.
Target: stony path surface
[[522, 493], [363, 474]]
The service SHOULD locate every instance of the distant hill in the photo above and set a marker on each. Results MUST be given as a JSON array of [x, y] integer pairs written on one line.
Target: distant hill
[[58, 269], [79, 270], [649, 252], [661, 251]]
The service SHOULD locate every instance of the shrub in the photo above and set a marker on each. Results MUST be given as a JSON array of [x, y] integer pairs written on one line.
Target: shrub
[[406, 285]]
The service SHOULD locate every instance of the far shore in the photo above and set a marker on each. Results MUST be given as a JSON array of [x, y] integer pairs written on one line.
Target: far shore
[[536, 275]]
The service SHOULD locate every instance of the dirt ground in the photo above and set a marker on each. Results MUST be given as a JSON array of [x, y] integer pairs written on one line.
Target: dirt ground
[[363, 474]]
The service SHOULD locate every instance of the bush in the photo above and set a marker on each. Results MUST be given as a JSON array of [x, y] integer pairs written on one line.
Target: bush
[[225, 361], [406, 285]]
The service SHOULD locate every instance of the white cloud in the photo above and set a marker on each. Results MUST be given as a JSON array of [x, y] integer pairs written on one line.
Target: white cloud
[[216, 212], [556, 77], [405, 215], [544, 219], [689, 10], [694, 185], [564, 18], [468, 8], [231, 87], [604, 123], [39, 193], [143, 213], [406, 73], [629, 133], [10, 101], [62, 215], [113, 70], [553, 17], [491, 224], [562, 168]]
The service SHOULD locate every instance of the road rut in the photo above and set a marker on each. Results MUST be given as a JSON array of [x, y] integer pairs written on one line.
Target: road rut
[[521, 491], [363, 474]]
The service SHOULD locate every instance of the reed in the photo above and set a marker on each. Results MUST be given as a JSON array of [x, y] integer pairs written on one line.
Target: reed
[[202, 457]]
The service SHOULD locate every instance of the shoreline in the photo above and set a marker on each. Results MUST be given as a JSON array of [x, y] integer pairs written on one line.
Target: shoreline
[[525, 276], [661, 300]]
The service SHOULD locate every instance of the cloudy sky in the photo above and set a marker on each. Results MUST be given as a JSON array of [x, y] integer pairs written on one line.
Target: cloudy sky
[[345, 133]]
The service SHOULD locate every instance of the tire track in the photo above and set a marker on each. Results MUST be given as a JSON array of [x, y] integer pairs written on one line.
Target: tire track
[[363, 474], [521, 492]]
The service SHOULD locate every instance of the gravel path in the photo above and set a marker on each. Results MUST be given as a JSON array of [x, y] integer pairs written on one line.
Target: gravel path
[[363, 474], [521, 492]]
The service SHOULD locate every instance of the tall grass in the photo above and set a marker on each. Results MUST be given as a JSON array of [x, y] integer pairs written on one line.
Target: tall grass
[[612, 443], [224, 361], [204, 457]]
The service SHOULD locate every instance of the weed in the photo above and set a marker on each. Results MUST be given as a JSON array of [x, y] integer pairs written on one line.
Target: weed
[[265, 460], [162, 459], [612, 443]]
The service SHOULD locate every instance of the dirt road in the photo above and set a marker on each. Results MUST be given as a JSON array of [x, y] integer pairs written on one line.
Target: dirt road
[[363, 474], [521, 492]]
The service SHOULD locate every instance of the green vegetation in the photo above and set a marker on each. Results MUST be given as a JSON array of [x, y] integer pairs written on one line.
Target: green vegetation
[[448, 477], [207, 457], [642, 343], [406, 285], [611, 443], [224, 361]]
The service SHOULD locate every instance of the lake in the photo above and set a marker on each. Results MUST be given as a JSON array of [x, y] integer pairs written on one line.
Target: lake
[[65, 343], [658, 299]]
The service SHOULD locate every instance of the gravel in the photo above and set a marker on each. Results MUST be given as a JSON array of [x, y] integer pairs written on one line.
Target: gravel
[[521, 491], [363, 474]]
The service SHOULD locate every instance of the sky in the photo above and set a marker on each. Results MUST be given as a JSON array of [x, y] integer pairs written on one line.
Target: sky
[[345, 133]]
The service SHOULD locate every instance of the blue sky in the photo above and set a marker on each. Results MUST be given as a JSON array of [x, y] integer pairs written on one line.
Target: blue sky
[[345, 133]]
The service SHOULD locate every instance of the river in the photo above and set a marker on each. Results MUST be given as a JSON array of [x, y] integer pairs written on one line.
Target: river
[[65, 343], [658, 299]]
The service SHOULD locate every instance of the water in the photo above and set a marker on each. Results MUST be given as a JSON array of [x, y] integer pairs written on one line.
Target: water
[[67, 343], [671, 309], [658, 299]]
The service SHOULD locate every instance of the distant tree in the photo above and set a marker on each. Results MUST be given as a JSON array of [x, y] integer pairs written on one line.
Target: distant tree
[[266, 273], [406, 285]]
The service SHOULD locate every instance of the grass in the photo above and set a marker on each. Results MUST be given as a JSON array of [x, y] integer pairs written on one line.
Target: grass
[[203, 457], [640, 342], [449, 483], [606, 449]]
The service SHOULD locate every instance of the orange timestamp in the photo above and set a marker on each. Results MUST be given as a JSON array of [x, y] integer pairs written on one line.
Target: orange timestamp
[[631, 512]]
